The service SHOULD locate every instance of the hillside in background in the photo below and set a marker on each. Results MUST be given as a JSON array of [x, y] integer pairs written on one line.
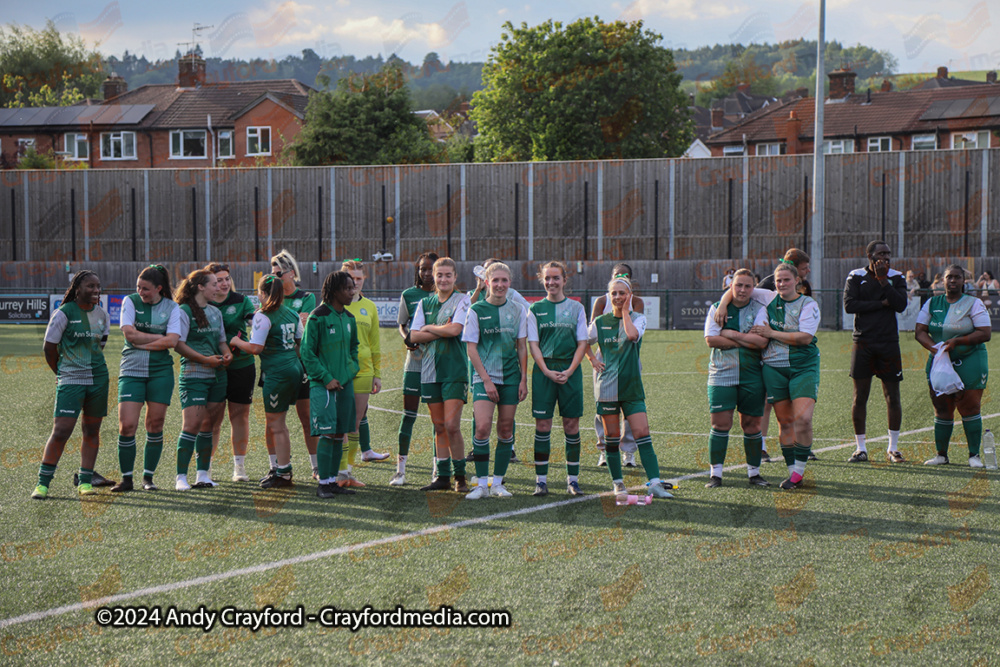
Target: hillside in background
[[709, 71]]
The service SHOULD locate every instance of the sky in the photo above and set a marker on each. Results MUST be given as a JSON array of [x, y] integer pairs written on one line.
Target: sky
[[922, 34]]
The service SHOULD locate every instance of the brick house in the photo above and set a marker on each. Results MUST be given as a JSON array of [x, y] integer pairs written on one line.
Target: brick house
[[192, 123], [944, 117]]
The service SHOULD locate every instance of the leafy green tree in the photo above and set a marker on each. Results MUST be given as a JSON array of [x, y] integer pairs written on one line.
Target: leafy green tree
[[32, 159], [589, 90], [366, 120], [46, 68]]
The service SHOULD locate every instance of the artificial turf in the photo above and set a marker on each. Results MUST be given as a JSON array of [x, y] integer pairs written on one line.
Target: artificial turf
[[869, 563]]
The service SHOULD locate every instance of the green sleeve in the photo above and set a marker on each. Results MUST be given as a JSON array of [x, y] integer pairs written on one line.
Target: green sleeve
[[354, 351], [309, 303], [248, 309], [308, 352]]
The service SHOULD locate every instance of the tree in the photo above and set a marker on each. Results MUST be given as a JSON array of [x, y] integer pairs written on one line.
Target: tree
[[366, 120], [742, 71], [590, 90], [46, 68]]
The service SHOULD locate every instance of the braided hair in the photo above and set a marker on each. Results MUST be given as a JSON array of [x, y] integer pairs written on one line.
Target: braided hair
[[74, 285], [433, 256], [334, 282]]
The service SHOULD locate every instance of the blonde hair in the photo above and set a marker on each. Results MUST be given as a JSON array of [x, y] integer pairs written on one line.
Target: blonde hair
[[619, 279], [787, 267], [286, 262], [743, 272], [444, 261], [497, 266]]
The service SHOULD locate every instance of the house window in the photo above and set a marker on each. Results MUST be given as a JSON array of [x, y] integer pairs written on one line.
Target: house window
[[970, 140], [879, 144], [25, 144], [838, 146], [118, 146], [732, 151], [226, 144], [188, 144], [258, 141], [77, 147], [770, 149], [924, 142]]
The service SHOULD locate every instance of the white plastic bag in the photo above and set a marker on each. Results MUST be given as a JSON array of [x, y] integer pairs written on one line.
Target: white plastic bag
[[943, 378]]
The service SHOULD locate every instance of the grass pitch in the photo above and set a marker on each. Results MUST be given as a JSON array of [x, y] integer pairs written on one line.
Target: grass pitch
[[870, 563]]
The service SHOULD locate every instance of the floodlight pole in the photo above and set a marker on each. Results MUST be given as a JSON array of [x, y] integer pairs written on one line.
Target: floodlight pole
[[816, 250]]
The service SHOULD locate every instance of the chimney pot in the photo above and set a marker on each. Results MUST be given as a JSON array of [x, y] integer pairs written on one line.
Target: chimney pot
[[113, 86], [886, 86], [717, 117], [841, 83], [191, 71]]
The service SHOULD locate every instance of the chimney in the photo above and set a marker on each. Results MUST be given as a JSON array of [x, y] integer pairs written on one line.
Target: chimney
[[841, 83], [113, 86], [886, 86], [792, 128], [191, 71], [743, 88], [991, 76], [717, 114], [942, 73]]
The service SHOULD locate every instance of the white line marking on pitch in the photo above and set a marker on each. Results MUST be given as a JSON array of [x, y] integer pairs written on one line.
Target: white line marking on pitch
[[587, 428], [307, 558]]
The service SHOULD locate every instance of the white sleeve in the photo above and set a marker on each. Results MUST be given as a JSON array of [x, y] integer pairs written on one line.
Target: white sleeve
[[127, 316], [57, 325], [640, 323], [184, 325], [402, 315], [517, 298], [924, 316], [462, 311], [592, 332], [174, 323], [470, 334], [299, 329], [581, 326], [711, 326], [222, 331], [980, 316], [763, 296], [418, 317], [532, 327], [522, 331], [809, 318], [760, 319], [261, 327]]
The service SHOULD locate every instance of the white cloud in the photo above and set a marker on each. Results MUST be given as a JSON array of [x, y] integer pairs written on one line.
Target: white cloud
[[690, 10], [375, 30]]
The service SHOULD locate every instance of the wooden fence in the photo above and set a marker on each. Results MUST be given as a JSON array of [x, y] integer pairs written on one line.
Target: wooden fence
[[930, 203]]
